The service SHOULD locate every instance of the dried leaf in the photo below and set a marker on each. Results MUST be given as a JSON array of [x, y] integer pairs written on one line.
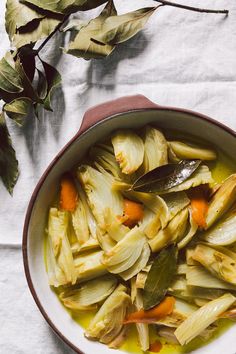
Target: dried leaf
[[12, 73], [87, 4], [8, 162], [165, 177], [53, 78], [29, 90], [18, 15], [18, 109], [75, 24], [160, 277], [65, 6], [10, 80], [35, 31], [27, 58], [118, 29], [59, 6], [83, 46]]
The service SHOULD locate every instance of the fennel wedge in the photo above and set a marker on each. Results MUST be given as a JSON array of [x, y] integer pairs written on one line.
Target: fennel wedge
[[202, 318]]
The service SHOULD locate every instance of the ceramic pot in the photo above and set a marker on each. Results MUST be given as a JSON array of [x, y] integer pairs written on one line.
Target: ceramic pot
[[99, 122]]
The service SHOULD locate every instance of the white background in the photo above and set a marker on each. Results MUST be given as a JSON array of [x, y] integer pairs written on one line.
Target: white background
[[181, 58]]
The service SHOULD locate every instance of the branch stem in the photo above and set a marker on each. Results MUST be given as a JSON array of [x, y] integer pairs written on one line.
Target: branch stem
[[51, 35], [191, 8]]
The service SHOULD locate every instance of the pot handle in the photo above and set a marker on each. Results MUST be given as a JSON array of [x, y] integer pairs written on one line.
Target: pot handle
[[119, 105]]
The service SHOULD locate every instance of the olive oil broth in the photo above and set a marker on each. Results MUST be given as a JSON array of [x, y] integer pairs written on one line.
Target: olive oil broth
[[221, 169], [131, 345]]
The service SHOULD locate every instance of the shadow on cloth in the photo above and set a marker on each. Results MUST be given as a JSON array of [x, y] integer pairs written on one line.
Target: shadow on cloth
[[102, 72]]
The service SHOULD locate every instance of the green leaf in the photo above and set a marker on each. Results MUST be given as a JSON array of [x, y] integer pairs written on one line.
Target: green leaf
[[8, 97], [66, 6], [160, 277], [58, 6], [18, 109], [27, 58], [75, 24], [29, 90], [8, 162], [18, 15], [14, 71], [83, 46], [10, 81], [118, 29], [53, 78], [87, 4], [35, 31]]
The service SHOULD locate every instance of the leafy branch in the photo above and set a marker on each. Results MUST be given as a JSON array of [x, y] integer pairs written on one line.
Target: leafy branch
[[27, 82]]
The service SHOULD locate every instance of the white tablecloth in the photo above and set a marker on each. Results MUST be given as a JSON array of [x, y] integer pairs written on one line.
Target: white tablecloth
[[181, 58]]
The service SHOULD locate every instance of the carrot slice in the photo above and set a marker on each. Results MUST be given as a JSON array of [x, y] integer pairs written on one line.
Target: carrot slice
[[68, 194], [155, 347], [199, 206], [133, 212], [160, 311]]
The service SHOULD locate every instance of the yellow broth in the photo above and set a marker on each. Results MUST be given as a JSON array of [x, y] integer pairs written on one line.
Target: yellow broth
[[131, 344]]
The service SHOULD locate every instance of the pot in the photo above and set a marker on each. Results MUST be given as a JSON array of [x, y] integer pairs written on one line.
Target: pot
[[99, 122]]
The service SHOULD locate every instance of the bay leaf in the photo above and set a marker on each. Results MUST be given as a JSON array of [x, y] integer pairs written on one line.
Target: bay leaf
[[65, 6], [18, 109], [83, 46], [35, 31], [10, 80], [18, 15], [159, 277], [118, 29], [8, 163], [58, 6], [53, 78], [8, 97], [164, 177], [84, 5], [75, 24], [29, 90], [27, 59], [12, 73]]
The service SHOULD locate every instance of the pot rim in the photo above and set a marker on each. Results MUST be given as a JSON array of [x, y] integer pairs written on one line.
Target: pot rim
[[50, 167]]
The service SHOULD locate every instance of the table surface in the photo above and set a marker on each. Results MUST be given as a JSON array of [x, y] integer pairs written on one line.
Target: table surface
[[181, 59]]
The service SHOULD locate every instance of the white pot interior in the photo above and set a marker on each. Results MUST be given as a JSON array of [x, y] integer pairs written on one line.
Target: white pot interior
[[183, 122]]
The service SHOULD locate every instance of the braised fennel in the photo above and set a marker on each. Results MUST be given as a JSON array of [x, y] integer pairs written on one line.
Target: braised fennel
[[143, 231]]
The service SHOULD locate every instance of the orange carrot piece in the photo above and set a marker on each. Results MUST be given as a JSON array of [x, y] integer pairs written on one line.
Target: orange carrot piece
[[155, 347], [68, 194], [133, 212], [160, 311], [199, 206]]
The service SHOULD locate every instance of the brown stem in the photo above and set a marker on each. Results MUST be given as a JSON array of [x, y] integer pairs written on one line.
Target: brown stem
[[196, 9], [51, 35]]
